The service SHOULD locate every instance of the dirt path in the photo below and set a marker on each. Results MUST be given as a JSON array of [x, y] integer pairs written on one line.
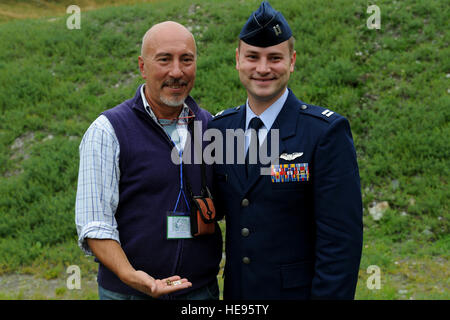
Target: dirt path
[[28, 287]]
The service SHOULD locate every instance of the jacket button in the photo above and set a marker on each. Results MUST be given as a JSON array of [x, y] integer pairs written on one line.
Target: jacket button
[[246, 260], [245, 203], [245, 232], [304, 106]]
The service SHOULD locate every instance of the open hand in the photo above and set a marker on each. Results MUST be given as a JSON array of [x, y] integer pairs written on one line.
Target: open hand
[[156, 287]]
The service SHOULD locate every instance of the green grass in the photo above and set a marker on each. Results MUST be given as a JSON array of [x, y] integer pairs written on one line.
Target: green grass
[[31, 9], [392, 84]]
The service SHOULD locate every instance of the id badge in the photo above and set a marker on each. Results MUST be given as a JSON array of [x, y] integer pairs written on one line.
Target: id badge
[[178, 225]]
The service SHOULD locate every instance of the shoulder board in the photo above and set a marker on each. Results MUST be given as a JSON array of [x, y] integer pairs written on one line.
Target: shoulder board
[[318, 112], [225, 113]]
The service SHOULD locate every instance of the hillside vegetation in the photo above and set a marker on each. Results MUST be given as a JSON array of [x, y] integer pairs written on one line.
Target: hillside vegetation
[[392, 84]]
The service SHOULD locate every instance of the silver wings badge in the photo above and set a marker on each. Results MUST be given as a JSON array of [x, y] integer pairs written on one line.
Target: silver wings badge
[[291, 156]]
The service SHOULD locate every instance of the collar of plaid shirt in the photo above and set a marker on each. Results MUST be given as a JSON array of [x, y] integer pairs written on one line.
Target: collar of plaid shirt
[[179, 135], [184, 112]]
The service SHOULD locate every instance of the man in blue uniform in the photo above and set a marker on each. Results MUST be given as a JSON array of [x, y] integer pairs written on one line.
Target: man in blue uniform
[[287, 237]]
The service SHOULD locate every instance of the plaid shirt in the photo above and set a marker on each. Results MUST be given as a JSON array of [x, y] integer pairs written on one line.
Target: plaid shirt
[[98, 177]]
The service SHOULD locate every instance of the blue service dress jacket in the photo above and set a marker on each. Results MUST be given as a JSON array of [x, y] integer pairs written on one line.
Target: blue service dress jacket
[[295, 233]]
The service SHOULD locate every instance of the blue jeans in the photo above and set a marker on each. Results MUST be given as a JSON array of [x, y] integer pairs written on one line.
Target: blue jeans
[[207, 292]]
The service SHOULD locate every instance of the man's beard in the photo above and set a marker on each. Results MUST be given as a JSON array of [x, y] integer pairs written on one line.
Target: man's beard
[[173, 101]]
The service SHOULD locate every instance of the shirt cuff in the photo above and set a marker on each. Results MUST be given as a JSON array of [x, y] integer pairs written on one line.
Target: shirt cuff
[[96, 230]]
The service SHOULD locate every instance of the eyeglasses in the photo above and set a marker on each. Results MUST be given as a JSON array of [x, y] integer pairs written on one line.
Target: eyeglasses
[[179, 121]]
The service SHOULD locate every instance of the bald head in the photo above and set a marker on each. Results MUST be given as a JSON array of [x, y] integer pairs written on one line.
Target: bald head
[[164, 31], [168, 65]]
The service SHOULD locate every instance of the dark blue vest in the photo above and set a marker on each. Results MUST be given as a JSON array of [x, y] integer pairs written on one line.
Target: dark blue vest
[[149, 186]]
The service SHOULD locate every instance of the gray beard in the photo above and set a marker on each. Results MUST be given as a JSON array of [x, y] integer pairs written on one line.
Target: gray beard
[[172, 102]]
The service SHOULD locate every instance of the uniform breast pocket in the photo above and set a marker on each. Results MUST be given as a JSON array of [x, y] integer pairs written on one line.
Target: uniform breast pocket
[[297, 186]]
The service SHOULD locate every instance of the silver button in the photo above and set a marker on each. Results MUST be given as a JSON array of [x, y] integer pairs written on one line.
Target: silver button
[[245, 203], [245, 232], [246, 260], [304, 106]]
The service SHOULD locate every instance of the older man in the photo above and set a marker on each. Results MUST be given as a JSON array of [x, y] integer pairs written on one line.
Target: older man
[[294, 232], [131, 198]]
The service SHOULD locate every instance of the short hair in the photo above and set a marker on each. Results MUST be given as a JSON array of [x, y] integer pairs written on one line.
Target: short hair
[[291, 44]]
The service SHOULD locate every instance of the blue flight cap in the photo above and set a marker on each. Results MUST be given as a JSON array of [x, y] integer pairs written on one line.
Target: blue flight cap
[[265, 27]]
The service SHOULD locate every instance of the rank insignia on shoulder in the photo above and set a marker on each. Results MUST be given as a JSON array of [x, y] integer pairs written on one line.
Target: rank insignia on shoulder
[[224, 113], [219, 113], [318, 112], [293, 172], [327, 113]]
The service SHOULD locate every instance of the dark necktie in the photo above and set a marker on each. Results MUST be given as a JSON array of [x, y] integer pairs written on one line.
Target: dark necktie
[[256, 124]]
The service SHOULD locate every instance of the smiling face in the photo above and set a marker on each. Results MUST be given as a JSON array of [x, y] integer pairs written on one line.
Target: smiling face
[[168, 64], [264, 72]]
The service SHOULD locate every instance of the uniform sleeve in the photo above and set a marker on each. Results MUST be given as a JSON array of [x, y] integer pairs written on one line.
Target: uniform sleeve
[[337, 214], [98, 181]]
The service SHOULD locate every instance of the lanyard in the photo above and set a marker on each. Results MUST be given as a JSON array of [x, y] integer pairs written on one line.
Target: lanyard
[[180, 153]]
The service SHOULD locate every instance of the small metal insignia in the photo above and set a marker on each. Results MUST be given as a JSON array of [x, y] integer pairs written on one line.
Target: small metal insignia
[[327, 113], [277, 30], [290, 156], [219, 113], [173, 283]]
